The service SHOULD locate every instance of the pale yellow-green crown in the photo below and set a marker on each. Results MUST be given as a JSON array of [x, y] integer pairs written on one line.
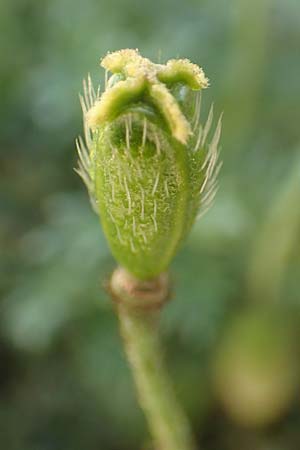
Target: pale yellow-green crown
[[141, 77]]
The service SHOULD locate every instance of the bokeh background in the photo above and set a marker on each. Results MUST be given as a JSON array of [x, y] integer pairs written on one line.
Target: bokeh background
[[231, 331]]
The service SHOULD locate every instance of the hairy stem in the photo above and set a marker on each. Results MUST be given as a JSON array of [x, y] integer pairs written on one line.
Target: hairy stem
[[138, 305]]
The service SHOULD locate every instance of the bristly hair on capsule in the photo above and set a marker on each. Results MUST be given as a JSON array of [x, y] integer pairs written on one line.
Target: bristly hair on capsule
[[210, 167]]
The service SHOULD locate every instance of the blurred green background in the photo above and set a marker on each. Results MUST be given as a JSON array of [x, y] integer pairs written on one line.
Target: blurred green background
[[231, 331]]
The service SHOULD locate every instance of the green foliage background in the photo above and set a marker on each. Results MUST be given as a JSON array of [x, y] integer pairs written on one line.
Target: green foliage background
[[64, 382]]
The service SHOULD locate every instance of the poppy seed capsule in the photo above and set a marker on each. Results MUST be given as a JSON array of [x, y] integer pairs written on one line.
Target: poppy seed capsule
[[146, 163]]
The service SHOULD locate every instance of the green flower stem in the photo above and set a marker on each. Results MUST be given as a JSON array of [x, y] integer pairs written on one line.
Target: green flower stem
[[269, 262], [138, 304]]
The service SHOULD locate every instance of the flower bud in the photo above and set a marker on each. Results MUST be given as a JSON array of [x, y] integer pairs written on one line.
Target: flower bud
[[256, 368], [146, 162]]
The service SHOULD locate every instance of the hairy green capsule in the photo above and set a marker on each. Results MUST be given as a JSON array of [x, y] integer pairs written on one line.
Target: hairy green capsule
[[146, 162]]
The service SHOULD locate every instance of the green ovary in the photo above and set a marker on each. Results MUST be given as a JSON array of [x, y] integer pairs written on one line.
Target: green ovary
[[141, 185]]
